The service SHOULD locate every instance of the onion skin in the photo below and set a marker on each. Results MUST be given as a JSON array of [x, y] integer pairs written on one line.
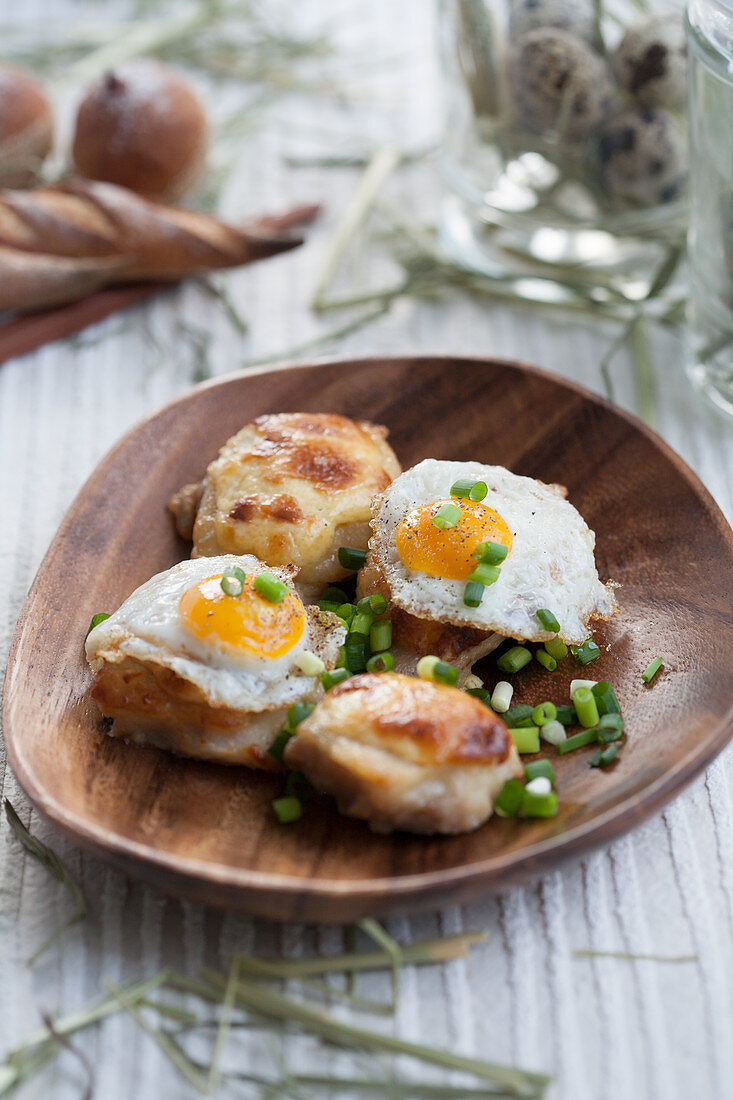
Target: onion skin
[[26, 127]]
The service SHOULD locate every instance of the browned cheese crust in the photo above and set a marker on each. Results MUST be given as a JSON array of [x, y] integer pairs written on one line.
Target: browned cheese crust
[[291, 488], [405, 753]]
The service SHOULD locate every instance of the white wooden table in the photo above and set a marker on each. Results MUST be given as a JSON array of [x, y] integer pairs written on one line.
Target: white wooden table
[[603, 1027]]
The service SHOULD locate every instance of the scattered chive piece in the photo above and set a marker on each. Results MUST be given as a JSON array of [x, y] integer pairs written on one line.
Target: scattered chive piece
[[309, 664], [445, 673], [556, 648], [335, 595], [355, 649], [351, 558], [480, 693], [380, 662], [578, 740], [380, 636], [509, 799], [553, 732], [606, 700], [567, 715], [539, 805], [232, 580], [610, 727], [520, 722], [277, 747], [514, 659], [548, 620], [651, 670], [346, 611], [473, 490], [516, 713], [447, 516], [473, 681], [536, 768], [526, 738], [585, 704], [604, 757], [540, 785], [575, 684], [586, 652], [287, 809], [473, 593], [297, 713], [502, 697], [425, 667], [341, 663], [492, 553], [546, 660], [270, 587], [328, 605], [330, 679], [96, 620], [485, 573], [362, 623], [297, 786], [374, 604], [544, 712]]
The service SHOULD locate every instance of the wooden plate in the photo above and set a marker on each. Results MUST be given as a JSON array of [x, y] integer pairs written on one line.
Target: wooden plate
[[207, 831]]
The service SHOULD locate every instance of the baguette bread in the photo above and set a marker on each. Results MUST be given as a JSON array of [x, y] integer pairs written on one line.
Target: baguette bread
[[62, 242]]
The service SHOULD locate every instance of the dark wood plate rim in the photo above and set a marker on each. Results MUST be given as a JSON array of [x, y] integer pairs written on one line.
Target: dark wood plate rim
[[572, 842]]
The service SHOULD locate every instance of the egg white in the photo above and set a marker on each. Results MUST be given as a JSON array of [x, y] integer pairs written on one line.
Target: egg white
[[550, 565], [148, 627]]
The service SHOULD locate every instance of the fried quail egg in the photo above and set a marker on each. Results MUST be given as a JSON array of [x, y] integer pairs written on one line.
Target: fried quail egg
[[187, 666], [549, 561]]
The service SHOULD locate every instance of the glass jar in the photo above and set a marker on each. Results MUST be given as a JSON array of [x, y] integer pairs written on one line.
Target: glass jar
[[710, 239], [564, 124]]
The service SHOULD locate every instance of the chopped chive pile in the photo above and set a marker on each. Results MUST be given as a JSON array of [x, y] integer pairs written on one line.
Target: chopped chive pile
[[651, 670]]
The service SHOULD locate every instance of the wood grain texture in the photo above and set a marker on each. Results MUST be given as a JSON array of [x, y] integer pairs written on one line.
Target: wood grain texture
[[207, 831]]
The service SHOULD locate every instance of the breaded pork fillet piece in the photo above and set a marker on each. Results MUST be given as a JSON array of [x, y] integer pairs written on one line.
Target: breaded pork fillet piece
[[290, 488], [404, 753]]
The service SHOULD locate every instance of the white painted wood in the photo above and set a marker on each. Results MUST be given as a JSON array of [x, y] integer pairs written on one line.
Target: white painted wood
[[605, 1028]]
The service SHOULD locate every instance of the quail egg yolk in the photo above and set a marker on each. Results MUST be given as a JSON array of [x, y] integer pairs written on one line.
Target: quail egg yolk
[[448, 552], [243, 624]]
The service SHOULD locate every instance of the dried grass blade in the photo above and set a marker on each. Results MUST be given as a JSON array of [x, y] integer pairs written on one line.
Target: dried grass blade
[[375, 932], [225, 1020], [588, 953], [80, 1056], [400, 1090], [646, 393], [55, 866], [322, 340]]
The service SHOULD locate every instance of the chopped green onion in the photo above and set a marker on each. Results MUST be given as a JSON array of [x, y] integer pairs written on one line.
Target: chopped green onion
[[362, 623], [297, 713], [277, 747], [472, 681], [604, 757], [606, 700], [545, 660], [586, 652], [351, 558], [480, 693], [287, 809], [556, 648], [432, 668], [233, 580], [346, 611], [651, 670], [526, 738], [523, 722], [491, 553], [548, 620], [473, 490], [514, 659], [539, 805], [517, 713], [373, 605], [380, 662], [584, 702], [355, 649], [341, 663], [544, 712], [380, 636], [330, 679], [553, 732], [309, 664], [447, 516], [509, 800], [567, 715], [575, 684], [578, 740], [270, 587], [537, 768], [297, 786], [335, 595], [502, 696], [328, 605], [473, 593], [96, 620], [610, 728], [540, 785], [485, 574]]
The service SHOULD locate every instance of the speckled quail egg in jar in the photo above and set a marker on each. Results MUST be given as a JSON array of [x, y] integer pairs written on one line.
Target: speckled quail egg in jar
[[576, 16], [559, 83], [651, 62], [643, 158]]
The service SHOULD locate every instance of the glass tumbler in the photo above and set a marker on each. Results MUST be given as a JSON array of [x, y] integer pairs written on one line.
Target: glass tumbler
[[565, 125], [710, 237]]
